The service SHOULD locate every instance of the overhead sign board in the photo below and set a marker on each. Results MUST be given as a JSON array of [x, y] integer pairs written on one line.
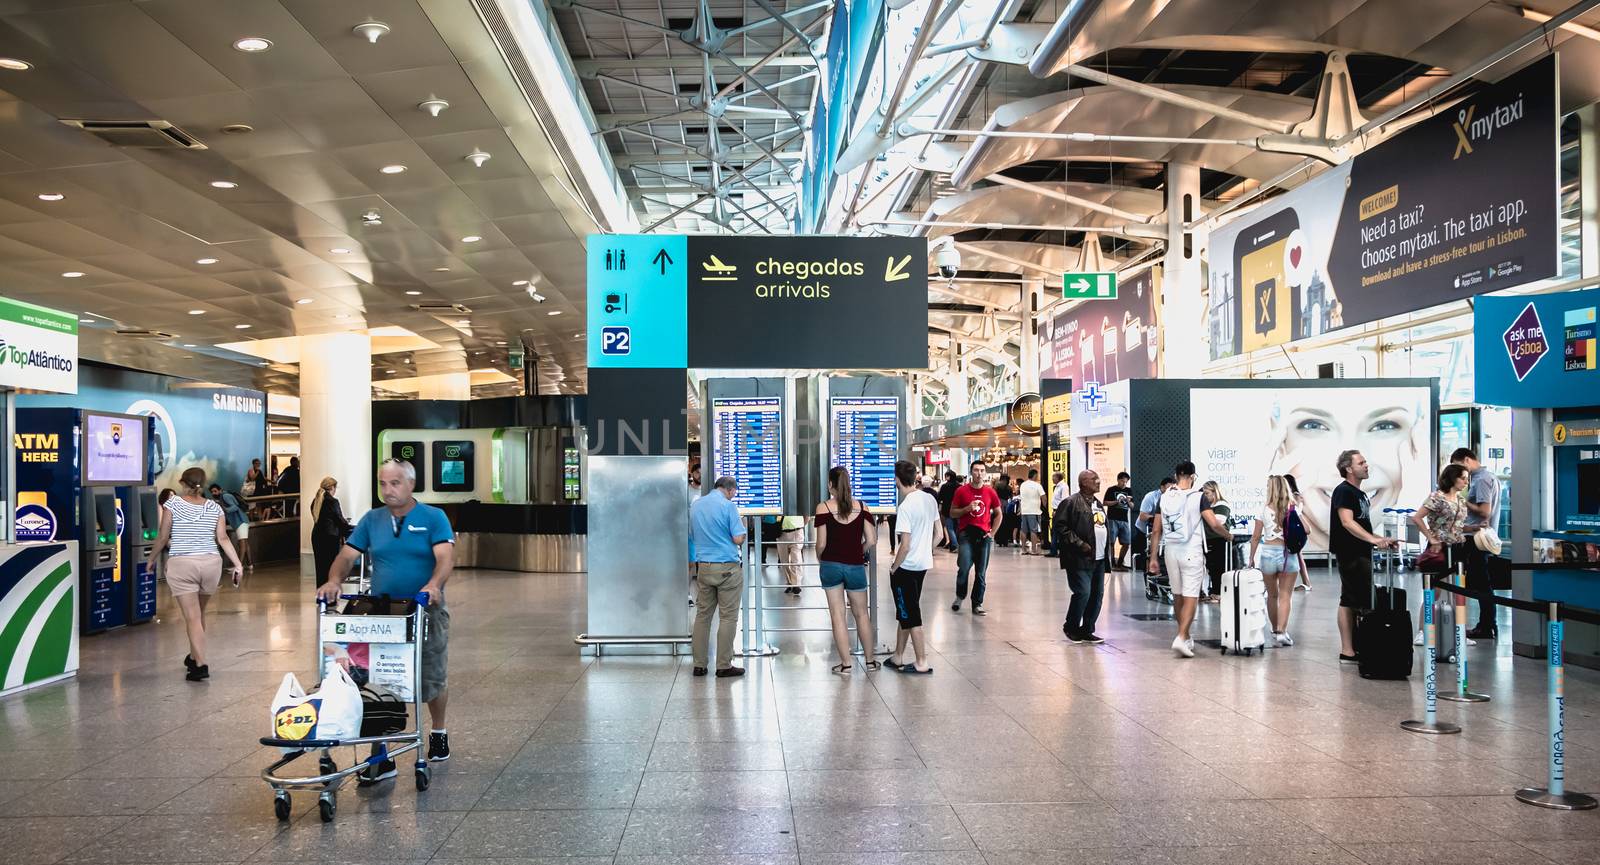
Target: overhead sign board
[[1458, 205], [730, 302], [1536, 351], [38, 348], [1089, 286]]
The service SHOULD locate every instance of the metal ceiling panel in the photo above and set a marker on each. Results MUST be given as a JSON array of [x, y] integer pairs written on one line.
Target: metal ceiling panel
[[532, 230], [205, 117], [400, 93], [210, 27], [499, 199], [449, 152], [412, 40], [309, 177], [125, 49], [330, 114]]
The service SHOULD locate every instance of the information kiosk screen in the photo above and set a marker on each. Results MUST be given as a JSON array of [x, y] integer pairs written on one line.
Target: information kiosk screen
[[866, 441], [747, 443]]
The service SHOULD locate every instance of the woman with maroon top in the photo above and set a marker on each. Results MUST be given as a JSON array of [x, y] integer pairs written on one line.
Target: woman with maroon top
[[845, 537]]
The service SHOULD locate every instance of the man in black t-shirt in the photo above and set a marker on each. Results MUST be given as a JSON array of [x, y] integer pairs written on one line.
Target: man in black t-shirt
[[1117, 500], [1351, 540], [946, 493]]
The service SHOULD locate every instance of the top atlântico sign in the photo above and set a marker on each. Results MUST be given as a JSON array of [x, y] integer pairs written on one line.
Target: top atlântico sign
[[38, 348]]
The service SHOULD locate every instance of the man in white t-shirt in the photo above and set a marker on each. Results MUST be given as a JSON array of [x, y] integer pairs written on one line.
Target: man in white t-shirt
[[916, 520], [1179, 531], [1030, 507]]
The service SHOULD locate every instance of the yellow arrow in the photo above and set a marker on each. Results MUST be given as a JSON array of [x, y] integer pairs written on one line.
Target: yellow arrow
[[895, 271]]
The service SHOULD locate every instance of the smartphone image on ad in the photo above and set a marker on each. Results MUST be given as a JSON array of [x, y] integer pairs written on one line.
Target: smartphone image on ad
[[1266, 257]]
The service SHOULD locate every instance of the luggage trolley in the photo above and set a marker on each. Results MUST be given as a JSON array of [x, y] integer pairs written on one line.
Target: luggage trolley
[[407, 629]]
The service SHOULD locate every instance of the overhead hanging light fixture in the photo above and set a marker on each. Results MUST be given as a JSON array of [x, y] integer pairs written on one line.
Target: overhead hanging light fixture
[[477, 158], [371, 31], [433, 105]]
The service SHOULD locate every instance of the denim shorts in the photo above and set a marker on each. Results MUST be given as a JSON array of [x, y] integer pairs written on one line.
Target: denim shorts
[[853, 577], [1277, 560]]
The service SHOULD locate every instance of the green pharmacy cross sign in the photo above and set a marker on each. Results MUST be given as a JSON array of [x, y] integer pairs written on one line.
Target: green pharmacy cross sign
[[1089, 286]]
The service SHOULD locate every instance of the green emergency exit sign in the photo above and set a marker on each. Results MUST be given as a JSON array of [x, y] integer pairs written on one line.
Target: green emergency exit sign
[[1089, 286]]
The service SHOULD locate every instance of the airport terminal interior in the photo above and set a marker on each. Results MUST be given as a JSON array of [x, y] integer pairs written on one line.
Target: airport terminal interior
[[800, 432]]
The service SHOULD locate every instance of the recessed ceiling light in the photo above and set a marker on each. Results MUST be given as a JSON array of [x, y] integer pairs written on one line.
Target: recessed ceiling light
[[501, 342], [238, 129], [463, 323], [73, 274], [391, 371], [188, 345], [197, 312], [252, 44], [577, 336], [471, 238], [261, 363], [86, 321], [241, 327], [304, 300], [476, 353], [392, 169], [339, 250], [414, 293], [205, 261], [441, 270], [14, 64], [520, 282], [51, 196], [224, 184], [405, 360], [554, 312]]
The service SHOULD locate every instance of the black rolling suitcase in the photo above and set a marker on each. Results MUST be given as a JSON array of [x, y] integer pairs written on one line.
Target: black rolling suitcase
[[1383, 633]]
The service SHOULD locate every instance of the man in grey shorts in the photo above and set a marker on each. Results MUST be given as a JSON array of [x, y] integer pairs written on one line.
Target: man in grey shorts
[[413, 550]]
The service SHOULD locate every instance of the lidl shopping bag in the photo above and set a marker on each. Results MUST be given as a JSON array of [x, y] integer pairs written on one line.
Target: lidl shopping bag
[[333, 712]]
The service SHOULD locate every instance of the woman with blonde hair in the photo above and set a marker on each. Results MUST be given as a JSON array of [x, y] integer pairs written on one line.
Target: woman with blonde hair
[[192, 531], [1278, 565], [329, 528]]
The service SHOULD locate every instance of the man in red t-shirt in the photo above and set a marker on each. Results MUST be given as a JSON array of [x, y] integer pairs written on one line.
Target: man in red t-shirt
[[976, 509]]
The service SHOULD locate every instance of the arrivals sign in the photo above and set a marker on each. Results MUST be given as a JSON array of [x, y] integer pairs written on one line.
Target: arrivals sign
[[729, 302], [1460, 204], [38, 348]]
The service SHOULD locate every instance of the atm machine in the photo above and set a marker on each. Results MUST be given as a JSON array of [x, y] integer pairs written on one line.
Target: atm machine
[[85, 476]]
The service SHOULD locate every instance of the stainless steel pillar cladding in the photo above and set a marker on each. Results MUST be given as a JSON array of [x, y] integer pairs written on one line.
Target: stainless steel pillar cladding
[[638, 547]]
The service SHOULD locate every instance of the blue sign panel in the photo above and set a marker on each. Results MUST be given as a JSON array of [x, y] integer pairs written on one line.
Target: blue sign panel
[[866, 441], [638, 301], [1536, 351]]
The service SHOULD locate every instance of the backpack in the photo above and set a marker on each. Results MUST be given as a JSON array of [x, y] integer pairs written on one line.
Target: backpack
[[1294, 532], [1176, 526]]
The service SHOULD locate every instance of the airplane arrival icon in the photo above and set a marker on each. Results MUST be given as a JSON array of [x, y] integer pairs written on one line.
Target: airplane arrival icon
[[722, 272]]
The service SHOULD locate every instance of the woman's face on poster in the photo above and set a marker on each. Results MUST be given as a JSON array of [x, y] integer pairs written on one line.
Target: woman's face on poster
[[1312, 437]]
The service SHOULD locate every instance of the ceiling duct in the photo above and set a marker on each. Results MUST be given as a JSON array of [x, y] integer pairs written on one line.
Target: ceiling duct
[[441, 308], [151, 134], [143, 333]]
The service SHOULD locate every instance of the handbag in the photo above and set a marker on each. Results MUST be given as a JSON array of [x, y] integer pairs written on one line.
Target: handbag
[[1432, 562]]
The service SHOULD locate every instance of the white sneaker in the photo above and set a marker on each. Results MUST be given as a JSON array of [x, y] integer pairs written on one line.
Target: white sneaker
[[1472, 642], [1285, 640], [1184, 648], [1417, 640]]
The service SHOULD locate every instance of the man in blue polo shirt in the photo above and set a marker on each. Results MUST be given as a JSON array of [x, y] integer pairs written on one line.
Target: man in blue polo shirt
[[413, 550], [717, 533]]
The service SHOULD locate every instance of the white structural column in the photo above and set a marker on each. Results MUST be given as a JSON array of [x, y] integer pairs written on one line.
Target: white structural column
[[446, 385], [1032, 299], [955, 381], [336, 422], [1183, 311]]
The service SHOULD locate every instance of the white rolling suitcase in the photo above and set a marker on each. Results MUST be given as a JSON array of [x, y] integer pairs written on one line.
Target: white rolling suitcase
[[1243, 608]]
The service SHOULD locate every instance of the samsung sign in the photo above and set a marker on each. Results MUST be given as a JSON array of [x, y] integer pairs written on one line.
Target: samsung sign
[[242, 403], [38, 348]]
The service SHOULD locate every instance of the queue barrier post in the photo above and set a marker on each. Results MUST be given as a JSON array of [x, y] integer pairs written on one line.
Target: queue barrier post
[[1430, 722], [1463, 694], [1555, 795], [754, 608]]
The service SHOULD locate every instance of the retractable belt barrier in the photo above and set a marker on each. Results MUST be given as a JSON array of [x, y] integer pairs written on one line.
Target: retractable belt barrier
[[1554, 794]]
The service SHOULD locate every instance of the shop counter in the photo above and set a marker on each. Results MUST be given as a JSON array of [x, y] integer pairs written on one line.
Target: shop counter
[[520, 537], [38, 614]]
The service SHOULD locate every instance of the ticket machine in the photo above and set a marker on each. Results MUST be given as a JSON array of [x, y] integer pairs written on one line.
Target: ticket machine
[[105, 604]]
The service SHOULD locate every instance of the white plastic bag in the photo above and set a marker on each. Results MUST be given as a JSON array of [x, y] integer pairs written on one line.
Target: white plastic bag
[[333, 712]]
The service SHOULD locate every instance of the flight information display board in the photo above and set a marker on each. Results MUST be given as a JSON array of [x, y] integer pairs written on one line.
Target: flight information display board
[[866, 440], [747, 443]]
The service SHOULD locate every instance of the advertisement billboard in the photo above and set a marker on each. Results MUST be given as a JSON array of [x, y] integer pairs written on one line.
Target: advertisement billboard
[[1460, 204], [1239, 436], [1106, 340], [1536, 352]]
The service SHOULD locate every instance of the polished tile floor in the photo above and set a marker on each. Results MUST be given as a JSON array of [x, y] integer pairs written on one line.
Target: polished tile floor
[[1019, 749]]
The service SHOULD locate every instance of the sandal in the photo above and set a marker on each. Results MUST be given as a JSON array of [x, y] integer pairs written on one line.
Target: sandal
[[841, 668], [873, 666], [892, 665], [911, 670]]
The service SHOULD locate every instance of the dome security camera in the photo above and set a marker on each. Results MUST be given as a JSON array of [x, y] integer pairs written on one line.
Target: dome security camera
[[948, 260]]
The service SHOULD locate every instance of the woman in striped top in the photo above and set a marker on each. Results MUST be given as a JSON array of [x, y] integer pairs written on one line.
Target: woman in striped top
[[192, 532]]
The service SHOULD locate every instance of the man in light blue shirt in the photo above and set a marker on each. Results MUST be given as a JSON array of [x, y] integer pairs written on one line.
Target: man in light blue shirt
[[716, 533]]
